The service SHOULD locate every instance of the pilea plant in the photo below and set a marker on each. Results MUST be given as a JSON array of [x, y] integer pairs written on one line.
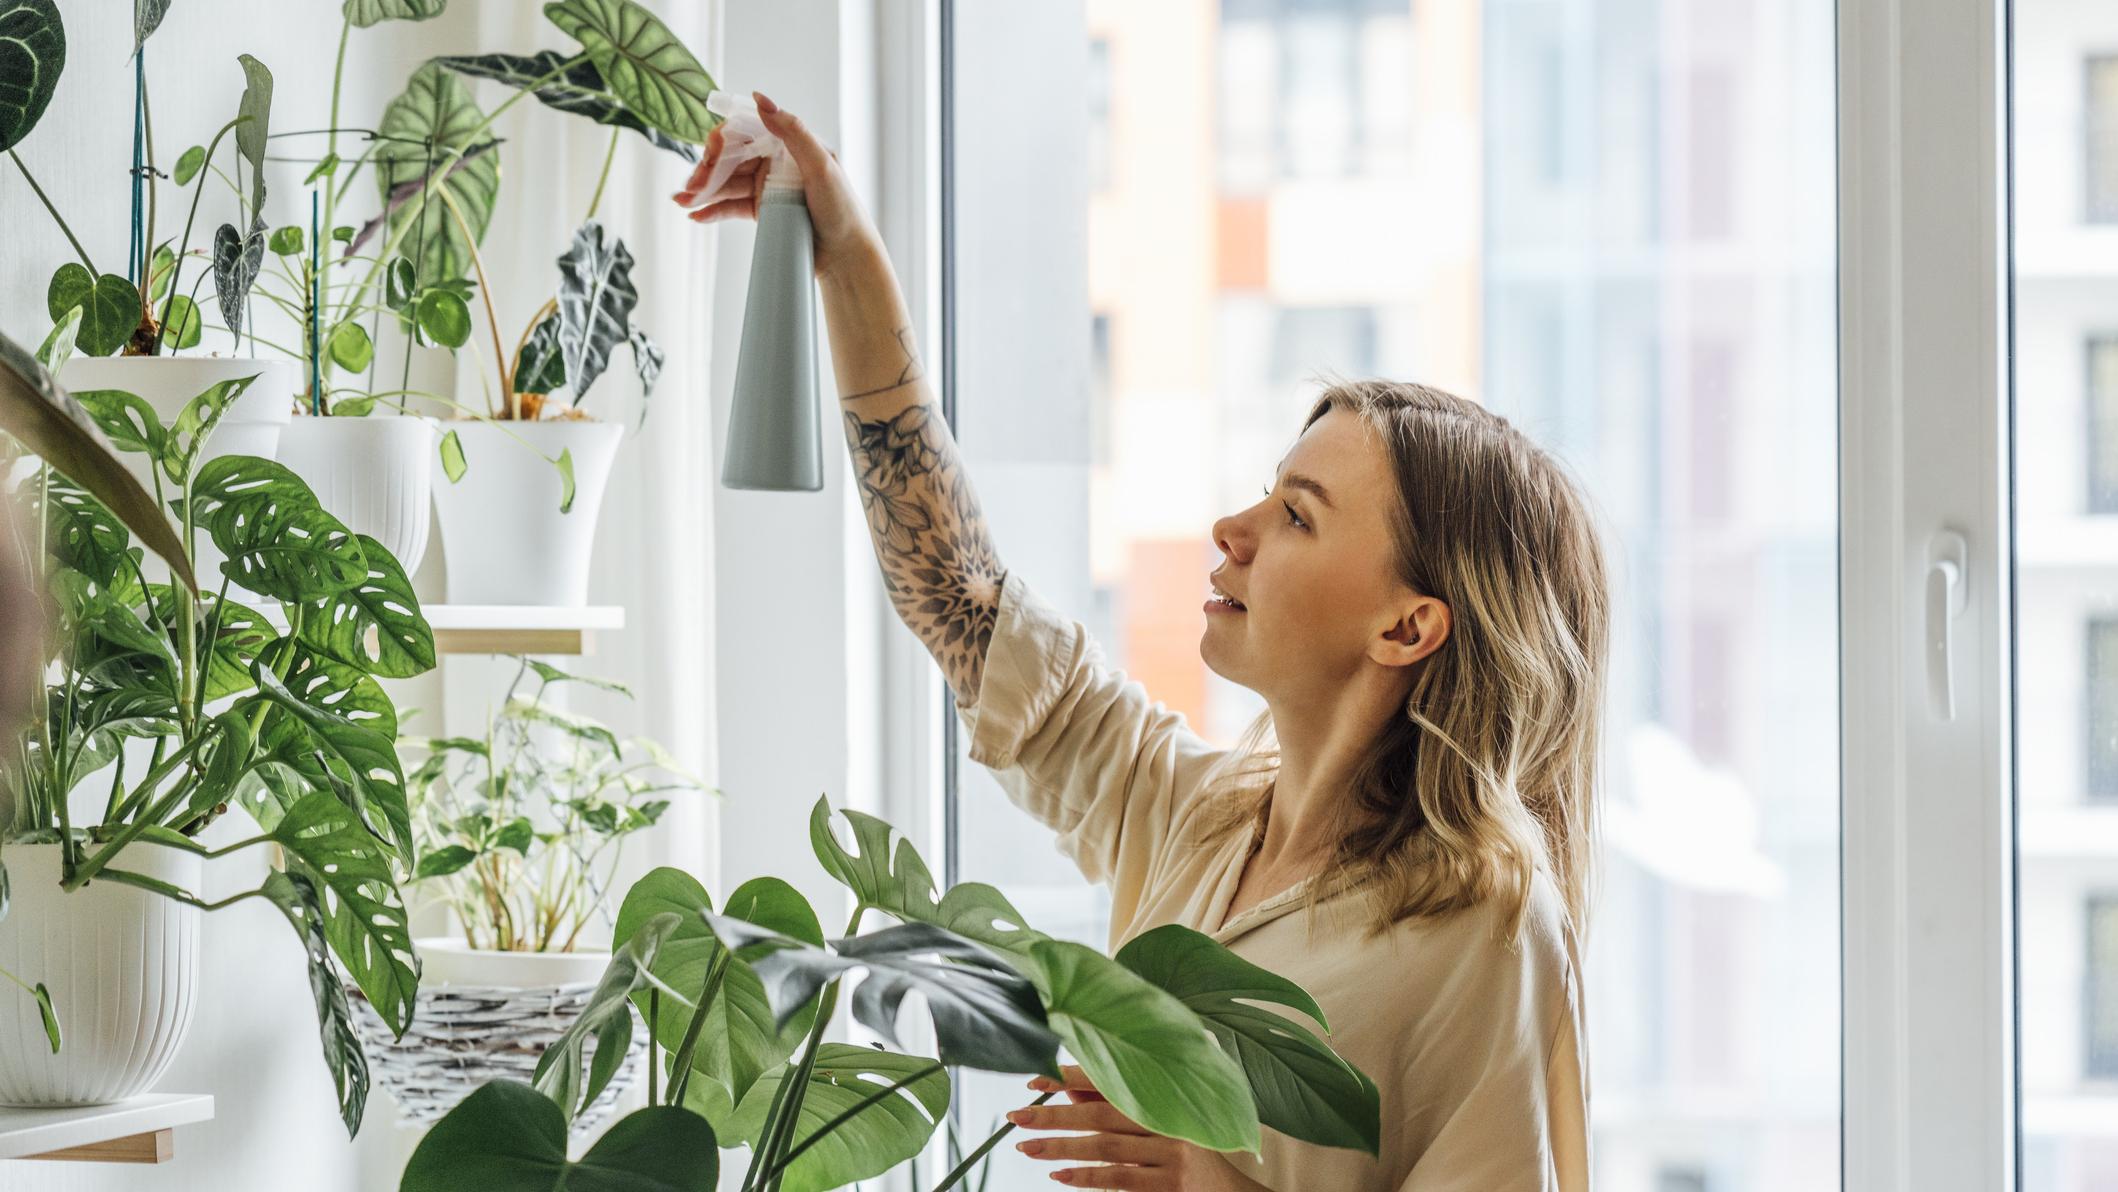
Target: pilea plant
[[518, 829], [1173, 1030], [281, 716]]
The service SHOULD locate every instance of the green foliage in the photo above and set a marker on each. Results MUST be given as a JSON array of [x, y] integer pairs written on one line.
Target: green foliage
[[887, 1132], [506, 1137], [607, 1018], [188, 165], [32, 55], [237, 258], [278, 541], [365, 922], [427, 132], [540, 367], [110, 307], [254, 114], [445, 318], [572, 85], [382, 605], [297, 898], [288, 241], [453, 465], [596, 299], [350, 347], [183, 328], [642, 63], [363, 13], [146, 18]]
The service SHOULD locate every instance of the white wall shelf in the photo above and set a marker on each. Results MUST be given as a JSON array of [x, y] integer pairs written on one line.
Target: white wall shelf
[[139, 1130], [508, 628]]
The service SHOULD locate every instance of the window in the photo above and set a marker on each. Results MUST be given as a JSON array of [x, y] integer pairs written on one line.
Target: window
[[2100, 724], [2102, 437], [1293, 208], [2100, 137], [2100, 992]]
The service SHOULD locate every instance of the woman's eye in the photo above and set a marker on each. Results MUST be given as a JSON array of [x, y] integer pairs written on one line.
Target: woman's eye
[[1293, 518]]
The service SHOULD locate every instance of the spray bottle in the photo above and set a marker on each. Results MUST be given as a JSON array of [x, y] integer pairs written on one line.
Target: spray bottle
[[774, 439]]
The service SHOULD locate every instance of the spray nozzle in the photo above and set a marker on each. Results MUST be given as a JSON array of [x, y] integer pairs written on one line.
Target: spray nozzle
[[744, 137]]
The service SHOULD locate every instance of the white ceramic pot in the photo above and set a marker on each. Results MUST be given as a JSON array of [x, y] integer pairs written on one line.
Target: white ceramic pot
[[485, 1016], [501, 530], [251, 426], [374, 473], [121, 965]]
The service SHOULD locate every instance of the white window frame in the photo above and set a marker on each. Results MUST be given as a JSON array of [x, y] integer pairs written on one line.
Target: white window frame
[[1929, 1073]]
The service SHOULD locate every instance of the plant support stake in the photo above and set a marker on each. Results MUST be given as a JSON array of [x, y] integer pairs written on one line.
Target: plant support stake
[[316, 306]]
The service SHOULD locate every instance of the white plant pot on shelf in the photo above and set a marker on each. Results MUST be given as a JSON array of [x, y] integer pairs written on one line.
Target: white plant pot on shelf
[[502, 534], [373, 473], [481, 1016], [121, 965], [250, 426]]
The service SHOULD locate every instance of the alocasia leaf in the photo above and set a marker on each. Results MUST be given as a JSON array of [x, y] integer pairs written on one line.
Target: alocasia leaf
[[540, 367], [363, 13], [32, 53], [429, 128], [579, 90], [596, 299], [647, 360], [642, 62]]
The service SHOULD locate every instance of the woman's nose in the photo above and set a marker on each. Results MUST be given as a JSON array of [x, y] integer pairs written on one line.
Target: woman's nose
[[1233, 538]]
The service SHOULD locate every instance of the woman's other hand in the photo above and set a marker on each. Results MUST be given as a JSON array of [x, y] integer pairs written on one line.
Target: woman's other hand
[[844, 234], [1143, 1160]]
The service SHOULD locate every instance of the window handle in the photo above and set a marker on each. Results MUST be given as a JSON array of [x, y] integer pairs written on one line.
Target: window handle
[[1948, 595]]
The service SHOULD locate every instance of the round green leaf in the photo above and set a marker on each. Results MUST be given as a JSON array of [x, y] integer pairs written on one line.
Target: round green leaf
[[445, 318], [32, 53], [189, 164], [642, 62], [423, 131], [183, 327], [343, 233], [508, 1137], [289, 241], [110, 307], [351, 349], [400, 281], [453, 465]]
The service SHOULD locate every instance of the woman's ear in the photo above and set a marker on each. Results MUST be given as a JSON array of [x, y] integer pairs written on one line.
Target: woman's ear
[[1421, 628]]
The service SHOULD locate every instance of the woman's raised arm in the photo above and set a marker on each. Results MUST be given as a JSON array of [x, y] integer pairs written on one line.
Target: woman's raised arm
[[930, 536]]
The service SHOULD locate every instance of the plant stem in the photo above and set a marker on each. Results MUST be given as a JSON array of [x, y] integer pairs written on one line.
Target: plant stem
[[56, 217], [596, 200], [338, 78], [485, 294], [680, 1064], [654, 1059], [970, 1161], [94, 863]]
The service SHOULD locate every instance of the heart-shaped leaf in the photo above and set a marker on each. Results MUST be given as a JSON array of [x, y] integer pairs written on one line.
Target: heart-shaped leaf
[[1302, 1088], [110, 307], [63, 432], [236, 261], [596, 298], [426, 139], [278, 540], [356, 764], [1146, 1052], [887, 1132], [365, 919], [904, 888], [607, 1018], [32, 53], [251, 135], [506, 1137], [297, 898], [579, 90], [985, 1015], [642, 63], [363, 13], [146, 18], [740, 1040], [381, 605]]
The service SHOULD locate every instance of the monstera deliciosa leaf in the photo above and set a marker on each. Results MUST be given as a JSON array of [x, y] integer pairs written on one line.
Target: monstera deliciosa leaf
[[578, 88], [1303, 1088], [740, 1040], [32, 53], [607, 1018], [900, 885], [59, 430], [643, 63], [891, 1129], [507, 1137], [596, 300], [424, 131]]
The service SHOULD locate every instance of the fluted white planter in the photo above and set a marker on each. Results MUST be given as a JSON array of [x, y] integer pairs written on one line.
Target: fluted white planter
[[501, 530], [374, 473], [121, 965], [251, 426]]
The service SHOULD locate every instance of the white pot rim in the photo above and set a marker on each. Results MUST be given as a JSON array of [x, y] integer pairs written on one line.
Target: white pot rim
[[450, 962]]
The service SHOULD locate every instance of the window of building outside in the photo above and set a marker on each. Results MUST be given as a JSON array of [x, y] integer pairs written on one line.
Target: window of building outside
[[2099, 126], [1520, 202], [2066, 587]]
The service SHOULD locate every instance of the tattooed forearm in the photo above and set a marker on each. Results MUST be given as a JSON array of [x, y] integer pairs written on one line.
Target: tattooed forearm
[[912, 371], [930, 535]]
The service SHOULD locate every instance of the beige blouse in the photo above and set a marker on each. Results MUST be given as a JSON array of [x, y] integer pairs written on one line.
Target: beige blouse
[[1476, 1046]]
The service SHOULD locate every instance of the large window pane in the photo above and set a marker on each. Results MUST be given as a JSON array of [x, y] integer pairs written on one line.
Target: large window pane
[[2066, 579], [1610, 220]]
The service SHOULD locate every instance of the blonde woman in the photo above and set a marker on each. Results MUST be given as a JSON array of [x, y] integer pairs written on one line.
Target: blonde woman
[[1419, 598]]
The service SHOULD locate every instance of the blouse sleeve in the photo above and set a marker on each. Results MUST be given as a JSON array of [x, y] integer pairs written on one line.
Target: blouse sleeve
[[1510, 1083], [1080, 746]]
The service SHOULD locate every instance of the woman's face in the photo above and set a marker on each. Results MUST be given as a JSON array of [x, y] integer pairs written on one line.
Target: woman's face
[[1311, 563]]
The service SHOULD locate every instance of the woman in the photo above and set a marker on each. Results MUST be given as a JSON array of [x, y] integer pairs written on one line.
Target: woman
[[1420, 600]]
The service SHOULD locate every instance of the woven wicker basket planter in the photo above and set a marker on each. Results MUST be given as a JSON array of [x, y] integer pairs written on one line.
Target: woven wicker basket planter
[[480, 1018]]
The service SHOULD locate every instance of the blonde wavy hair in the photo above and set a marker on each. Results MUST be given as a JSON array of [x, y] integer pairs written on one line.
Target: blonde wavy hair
[[1491, 772]]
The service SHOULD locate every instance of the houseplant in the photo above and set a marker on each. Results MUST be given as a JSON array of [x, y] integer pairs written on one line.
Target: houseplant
[[740, 1002], [135, 326], [518, 831], [209, 705]]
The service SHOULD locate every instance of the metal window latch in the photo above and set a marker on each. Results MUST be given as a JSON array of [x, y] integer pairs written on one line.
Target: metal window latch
[[1948, 595]]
